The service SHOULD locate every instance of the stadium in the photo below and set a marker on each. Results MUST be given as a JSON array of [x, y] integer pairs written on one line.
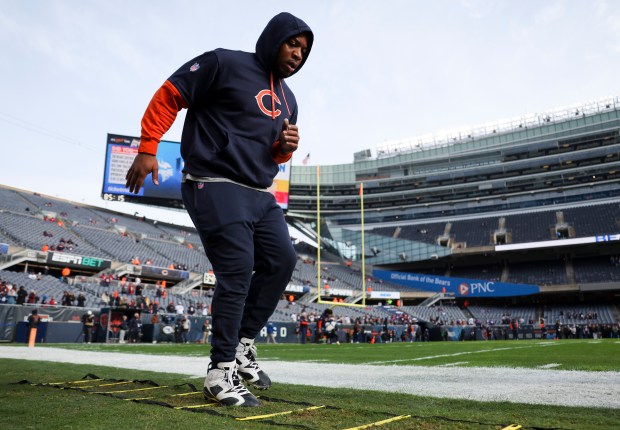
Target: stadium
[[440, 251]]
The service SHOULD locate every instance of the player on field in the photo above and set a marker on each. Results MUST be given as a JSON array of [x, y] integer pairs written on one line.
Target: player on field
[[240, 125]]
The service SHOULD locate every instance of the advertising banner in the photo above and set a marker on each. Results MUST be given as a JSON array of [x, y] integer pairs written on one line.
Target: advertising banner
[[77, 261], [385, 295], [460, 287], [163, 273]]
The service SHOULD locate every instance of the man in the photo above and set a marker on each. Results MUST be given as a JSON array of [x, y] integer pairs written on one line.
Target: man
[[271, 333], [123, 328], [33, 320], [303, 327], [135, 328], [88, 323], [239, 126]]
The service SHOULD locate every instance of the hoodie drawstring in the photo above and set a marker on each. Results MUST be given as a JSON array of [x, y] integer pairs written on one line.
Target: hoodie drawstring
[[284, 97], [273, 97]]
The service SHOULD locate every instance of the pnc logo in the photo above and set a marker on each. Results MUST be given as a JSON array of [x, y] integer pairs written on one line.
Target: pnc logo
[[463, 289], [259, 100]]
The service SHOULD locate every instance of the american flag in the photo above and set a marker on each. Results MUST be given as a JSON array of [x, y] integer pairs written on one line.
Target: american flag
[[305, 160]]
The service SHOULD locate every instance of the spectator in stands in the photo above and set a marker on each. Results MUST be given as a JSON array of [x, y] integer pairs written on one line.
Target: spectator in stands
[[53, 301], [191, 310], [116, 299], [245, 233], [11, 295], [179, 309], [105, 298], [81, 300], [22, 294], [170, 308], [32, 298]]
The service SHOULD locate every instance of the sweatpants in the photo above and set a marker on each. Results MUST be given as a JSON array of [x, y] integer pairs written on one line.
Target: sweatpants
[[247, 241]]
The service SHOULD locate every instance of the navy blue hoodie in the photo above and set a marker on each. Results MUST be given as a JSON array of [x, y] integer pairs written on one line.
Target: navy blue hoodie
[[230, 127]]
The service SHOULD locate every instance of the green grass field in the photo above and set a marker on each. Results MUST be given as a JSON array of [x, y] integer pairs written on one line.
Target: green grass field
[[26, 406]]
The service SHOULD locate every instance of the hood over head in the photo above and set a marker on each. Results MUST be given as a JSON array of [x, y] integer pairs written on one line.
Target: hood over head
[[278, 30]]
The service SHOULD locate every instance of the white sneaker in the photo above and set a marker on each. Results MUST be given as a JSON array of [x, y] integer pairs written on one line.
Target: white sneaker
[[248, 367], [223, 385]]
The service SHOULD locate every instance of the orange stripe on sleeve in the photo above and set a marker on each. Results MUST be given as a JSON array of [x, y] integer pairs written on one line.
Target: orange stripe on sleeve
[[159, 116], [276, 154]]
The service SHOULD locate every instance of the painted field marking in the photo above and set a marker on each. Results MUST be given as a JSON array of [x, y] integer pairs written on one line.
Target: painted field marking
[[456, 354], [458, 363], [549, 366]]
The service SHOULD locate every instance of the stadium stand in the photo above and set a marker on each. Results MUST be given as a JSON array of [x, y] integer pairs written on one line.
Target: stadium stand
[[551, 272], [439, 207]]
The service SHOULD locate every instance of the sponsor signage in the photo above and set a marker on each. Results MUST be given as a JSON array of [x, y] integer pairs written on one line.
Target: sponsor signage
[[163, 273], [460, 287], [4, 248], [208, 279], [296, 288], [559, 242], [77, 261], [337, 292], [385, 295]]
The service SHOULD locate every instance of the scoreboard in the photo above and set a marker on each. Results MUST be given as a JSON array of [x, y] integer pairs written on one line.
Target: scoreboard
[[120, 152]]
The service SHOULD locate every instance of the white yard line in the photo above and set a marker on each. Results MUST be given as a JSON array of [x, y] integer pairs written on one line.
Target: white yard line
[[456, 354], [549, 366], [532, 386], [458, 363]]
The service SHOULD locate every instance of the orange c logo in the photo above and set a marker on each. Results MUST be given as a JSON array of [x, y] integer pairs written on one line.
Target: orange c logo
[[261, 105]]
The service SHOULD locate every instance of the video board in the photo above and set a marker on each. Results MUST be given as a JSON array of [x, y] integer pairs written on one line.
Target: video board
[[120, 152]]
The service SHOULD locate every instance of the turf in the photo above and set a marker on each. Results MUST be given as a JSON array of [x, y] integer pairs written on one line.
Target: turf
[[27, 406], [588, 355]]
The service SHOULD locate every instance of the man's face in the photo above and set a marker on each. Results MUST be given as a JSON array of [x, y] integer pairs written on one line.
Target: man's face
[[291, 54]]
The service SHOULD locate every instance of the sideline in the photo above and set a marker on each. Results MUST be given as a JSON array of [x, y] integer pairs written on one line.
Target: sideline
[[456, 354], [484, 384]]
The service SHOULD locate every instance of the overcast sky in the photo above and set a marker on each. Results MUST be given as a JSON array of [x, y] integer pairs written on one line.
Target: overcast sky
[[73, 71]]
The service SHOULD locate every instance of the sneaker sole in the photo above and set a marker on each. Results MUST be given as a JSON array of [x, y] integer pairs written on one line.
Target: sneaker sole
[[209, 397]]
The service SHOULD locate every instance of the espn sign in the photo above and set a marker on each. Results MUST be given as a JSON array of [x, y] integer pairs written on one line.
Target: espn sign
[[77, 261]]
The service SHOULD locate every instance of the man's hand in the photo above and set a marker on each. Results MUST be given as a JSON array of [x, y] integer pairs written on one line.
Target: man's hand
[[142, 165], [289, 138]]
